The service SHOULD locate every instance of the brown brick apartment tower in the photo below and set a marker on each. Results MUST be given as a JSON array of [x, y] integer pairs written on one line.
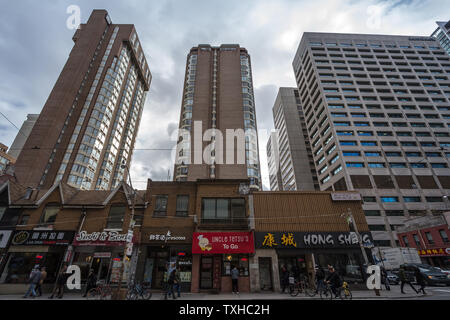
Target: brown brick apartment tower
[[89, 123], [218, 94]]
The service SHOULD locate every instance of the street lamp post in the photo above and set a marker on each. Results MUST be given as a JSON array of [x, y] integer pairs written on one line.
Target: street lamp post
[[130, 232], [349, 215]]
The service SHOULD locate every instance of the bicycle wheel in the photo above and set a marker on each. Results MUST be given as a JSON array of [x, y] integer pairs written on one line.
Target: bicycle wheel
[[106, 293], [93, 294], [345, 294], [147, 294], [310, 291], [326, 294]]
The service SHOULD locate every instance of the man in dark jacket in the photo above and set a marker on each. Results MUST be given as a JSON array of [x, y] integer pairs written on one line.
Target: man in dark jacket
[[404, 279], [60, 283], [385, 278], [320, 277], [420, 278], [334, 280], [91, 281], [170, 282], [284, 278]]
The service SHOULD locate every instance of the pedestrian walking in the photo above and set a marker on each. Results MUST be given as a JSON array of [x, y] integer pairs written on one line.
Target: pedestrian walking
[[33, 280], [384, 278], [235, 279], [284, 278], [170, 282], [420, 278], [41, 281], [177, 284], [91, 282], [320, 277], [404, 279], [60, 283]]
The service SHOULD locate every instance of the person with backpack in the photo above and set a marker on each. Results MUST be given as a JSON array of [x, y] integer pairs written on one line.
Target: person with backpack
[[35, 277], [334, 280]]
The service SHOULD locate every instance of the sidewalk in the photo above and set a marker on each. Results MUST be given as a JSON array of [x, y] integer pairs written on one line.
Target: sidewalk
[[394, 293]]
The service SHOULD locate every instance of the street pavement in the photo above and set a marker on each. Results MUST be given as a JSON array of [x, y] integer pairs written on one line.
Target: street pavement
[[433, 293]]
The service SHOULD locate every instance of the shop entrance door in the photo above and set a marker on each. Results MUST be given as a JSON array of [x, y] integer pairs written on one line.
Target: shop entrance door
[[206, 273], [101, 268], [265, 273]]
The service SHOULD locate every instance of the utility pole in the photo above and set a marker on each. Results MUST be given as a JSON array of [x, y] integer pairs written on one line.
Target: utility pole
[[130, 232], [349, 215]]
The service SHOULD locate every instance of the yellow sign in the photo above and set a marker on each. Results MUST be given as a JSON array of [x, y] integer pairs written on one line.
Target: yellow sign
[[269, 240], [288, 240]]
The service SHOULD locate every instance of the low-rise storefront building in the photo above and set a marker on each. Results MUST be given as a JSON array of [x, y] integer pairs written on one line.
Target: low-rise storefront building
[[66, 225], [301, 230]]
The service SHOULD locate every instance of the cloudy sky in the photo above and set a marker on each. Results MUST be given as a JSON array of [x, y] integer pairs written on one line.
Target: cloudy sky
[[35, 43]]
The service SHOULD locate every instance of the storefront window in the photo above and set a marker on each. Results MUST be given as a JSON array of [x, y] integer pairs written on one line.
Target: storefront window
[[238, 260], [348, 265], [20, 265], [49, 214], [115, 218]]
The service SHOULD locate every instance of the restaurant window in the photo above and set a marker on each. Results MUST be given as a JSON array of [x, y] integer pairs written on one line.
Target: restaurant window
[[238, 260], [115, 217], [49, 215], [182, 205], [161, 206]]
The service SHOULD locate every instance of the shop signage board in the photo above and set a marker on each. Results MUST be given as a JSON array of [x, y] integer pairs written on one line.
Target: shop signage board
[[222, 242], [305, 240], [343, 196], [104, 238], [102, 254], [166, 237], [4, 237], [40, 237], [434, 252]]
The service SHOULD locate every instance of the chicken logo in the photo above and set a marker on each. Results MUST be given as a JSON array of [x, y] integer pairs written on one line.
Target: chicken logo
[[203, 243]]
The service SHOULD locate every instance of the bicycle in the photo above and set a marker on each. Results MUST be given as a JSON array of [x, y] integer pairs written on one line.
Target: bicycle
[[326, 293], [301, 286], [136, 291], [103, 291], [344, 292]]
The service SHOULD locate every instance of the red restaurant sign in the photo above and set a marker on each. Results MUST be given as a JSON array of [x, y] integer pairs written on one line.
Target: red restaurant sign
[[222, 242], [434, 252]]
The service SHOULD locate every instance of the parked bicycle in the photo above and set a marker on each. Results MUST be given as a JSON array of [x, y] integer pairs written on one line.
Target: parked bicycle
[[103, 291], [301, 286], [138, 291]]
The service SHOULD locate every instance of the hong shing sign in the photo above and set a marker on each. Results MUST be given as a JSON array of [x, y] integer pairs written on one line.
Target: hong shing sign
[[307, 240]]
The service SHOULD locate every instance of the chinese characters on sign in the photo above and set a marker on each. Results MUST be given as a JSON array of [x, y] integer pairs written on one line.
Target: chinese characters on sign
[[434, 252], [279, 240], [33, 237], [166, 237]]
